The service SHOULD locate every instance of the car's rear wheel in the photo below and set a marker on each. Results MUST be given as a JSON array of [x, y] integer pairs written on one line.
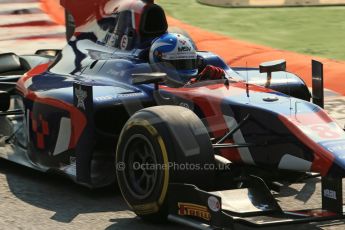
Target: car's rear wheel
[[159, 146]]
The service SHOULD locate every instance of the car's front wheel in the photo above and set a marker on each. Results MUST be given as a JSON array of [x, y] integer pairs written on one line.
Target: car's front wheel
[[158, 146]]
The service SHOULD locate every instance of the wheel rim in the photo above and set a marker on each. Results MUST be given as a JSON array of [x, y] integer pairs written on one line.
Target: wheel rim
[[140, 173]]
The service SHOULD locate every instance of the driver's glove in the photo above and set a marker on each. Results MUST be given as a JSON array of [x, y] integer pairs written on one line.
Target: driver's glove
[[211, 73]]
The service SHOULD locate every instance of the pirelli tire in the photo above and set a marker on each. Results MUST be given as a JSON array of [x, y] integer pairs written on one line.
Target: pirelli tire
[[173, 146]]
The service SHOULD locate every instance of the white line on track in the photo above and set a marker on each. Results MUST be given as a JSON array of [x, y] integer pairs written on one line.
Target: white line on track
[[18, 6], [18, 39], [24, 18]]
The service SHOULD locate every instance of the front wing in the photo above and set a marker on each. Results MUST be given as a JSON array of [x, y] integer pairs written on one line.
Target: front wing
[[253, 206]]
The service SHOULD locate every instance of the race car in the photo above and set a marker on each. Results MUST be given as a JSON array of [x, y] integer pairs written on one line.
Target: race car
[[202, 154]]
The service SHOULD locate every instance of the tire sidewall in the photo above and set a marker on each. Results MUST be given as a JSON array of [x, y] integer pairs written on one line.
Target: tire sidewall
[[156, 200]]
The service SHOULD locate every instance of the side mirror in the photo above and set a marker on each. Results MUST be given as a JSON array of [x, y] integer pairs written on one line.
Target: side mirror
[[148, 78], [5, 100], [273, 66], [9, 62], [270, 67]]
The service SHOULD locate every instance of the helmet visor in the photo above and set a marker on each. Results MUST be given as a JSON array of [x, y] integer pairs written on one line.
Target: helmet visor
[[182, 64]]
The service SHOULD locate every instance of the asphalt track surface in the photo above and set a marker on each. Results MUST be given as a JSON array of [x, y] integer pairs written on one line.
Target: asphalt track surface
[[32, 200], [24, 28]]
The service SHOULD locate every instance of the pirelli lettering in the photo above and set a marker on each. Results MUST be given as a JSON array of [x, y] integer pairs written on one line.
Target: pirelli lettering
[[188, 209]]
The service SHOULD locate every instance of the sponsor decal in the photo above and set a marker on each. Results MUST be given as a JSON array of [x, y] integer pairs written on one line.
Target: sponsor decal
[[124, 42], [104, 98], [112, 97], [189, 209], [130, 95], [184, 49], [331, 194], [179, 56], [81, 96], [183, 42], [114, 72], [213, 204]]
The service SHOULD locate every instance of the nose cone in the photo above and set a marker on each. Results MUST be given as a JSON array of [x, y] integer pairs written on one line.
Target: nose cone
[[322, 135], [337, 149]]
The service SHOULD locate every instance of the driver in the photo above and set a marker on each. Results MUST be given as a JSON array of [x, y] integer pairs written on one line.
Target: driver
[[175, 55]]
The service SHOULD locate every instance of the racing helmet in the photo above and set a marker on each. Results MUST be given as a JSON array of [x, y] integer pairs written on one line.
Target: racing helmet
[[174, 53]]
